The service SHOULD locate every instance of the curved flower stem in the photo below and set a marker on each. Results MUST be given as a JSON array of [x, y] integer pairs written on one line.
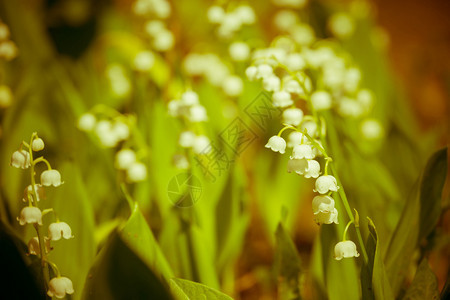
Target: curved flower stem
[[54, 267], [344, 236], [41, 159], [285, 128]]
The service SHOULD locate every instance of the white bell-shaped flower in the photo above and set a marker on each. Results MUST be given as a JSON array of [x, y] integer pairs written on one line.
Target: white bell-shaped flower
[[271, 83], [189, 98], [136, 172], [345, 249], [33, 246], [37, 144], [302, 151], [295, 138], [187, 139], [59, 230], [121, 130], [282, 99], [40, 192], [292, 116], [276, 144], [251, 73], [21, 159], [124, 159], [30, 215], [322, 204], [87, 122], [201, 145], [143, 61], [239, 51], [310, 127], [313, 169], [264, 71], [326, 183], [51, 177], [298, 166], [327, 217], [291, 85], [60, 286], [321, 100], [197, 113]]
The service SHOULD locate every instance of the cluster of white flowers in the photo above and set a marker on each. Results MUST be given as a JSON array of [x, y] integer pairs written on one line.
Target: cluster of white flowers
[[190, 110], [229, 22], [23, 158], [111, 132], [291, 3], [156, 8], [162, 38], [8, 51], [300, 71], [119, 81]]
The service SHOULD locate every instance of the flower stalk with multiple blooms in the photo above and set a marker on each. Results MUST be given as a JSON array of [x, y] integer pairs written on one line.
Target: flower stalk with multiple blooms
[[40, 245]]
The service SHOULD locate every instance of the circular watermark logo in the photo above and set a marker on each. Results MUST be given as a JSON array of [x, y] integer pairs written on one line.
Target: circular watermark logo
[[184, 190]]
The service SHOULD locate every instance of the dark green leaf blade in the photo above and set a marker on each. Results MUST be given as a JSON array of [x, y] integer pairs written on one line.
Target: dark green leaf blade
[[431, 192], [189, 290], [119, 273]]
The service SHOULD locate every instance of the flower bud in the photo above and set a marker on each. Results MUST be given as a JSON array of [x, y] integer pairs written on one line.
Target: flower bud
[[137, 172], [295, 138], [201, 145], [51, 177], [60, 286], [87, 122], [124, 158], [187, 139], [37, 145]]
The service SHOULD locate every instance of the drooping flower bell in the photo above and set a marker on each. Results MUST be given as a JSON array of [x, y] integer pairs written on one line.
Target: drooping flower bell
[[31, 215], [59, 230], [293, 116], [324, 210], [345, 249], [303, 151], [326, 183], [313, 169], [298, 166], [21, 159], [51, 177], [37, 144], [124, 159], [276, 144], [60, 286]]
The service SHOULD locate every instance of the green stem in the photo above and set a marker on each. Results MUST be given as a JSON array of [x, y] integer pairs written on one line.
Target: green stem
[[285, 128], [54, 267], [41, 159]]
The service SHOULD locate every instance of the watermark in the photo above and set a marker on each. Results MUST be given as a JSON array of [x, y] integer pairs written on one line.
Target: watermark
[[262, 111], [237, 136], [184, 190]]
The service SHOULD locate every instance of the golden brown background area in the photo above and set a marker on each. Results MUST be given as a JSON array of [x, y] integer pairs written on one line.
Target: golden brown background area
[[419, 54]]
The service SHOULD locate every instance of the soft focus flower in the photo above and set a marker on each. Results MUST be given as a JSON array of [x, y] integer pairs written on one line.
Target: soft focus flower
[[180, 161], [121, 130], [292, 116], [197, 113], [251, 73], [201, 145], [20, 159], [371, 129], [282, 99], [310, 127], [239, 51], [124, 158], [313, 169], [87, 122], [272, 83], [321, 100], [137, 171], [6, 96], [59, 230], [187, 139], [345, 249], [276, 144], [341, 25], [51, 177], [233, 86], [326, 183], [189, 98], [60, 286], [37, 145], [143, 61], [40, 192], [30, 214], [302, 151], [33, 246], [298, 166], [215, 14], [295, 138]]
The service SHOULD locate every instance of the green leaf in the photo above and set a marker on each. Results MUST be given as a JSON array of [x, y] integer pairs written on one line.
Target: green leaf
[[138, 236], [431, 192], [425, 196], [189, 290], [288, 264], [374, 281], [424, 285], [119, 273]]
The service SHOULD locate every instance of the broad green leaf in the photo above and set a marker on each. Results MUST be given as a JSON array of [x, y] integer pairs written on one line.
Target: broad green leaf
[[189, 290], [138, 236], [374, 282], [288, 264], [430, 192], [118, 273], [424, 285], [18, 280]]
